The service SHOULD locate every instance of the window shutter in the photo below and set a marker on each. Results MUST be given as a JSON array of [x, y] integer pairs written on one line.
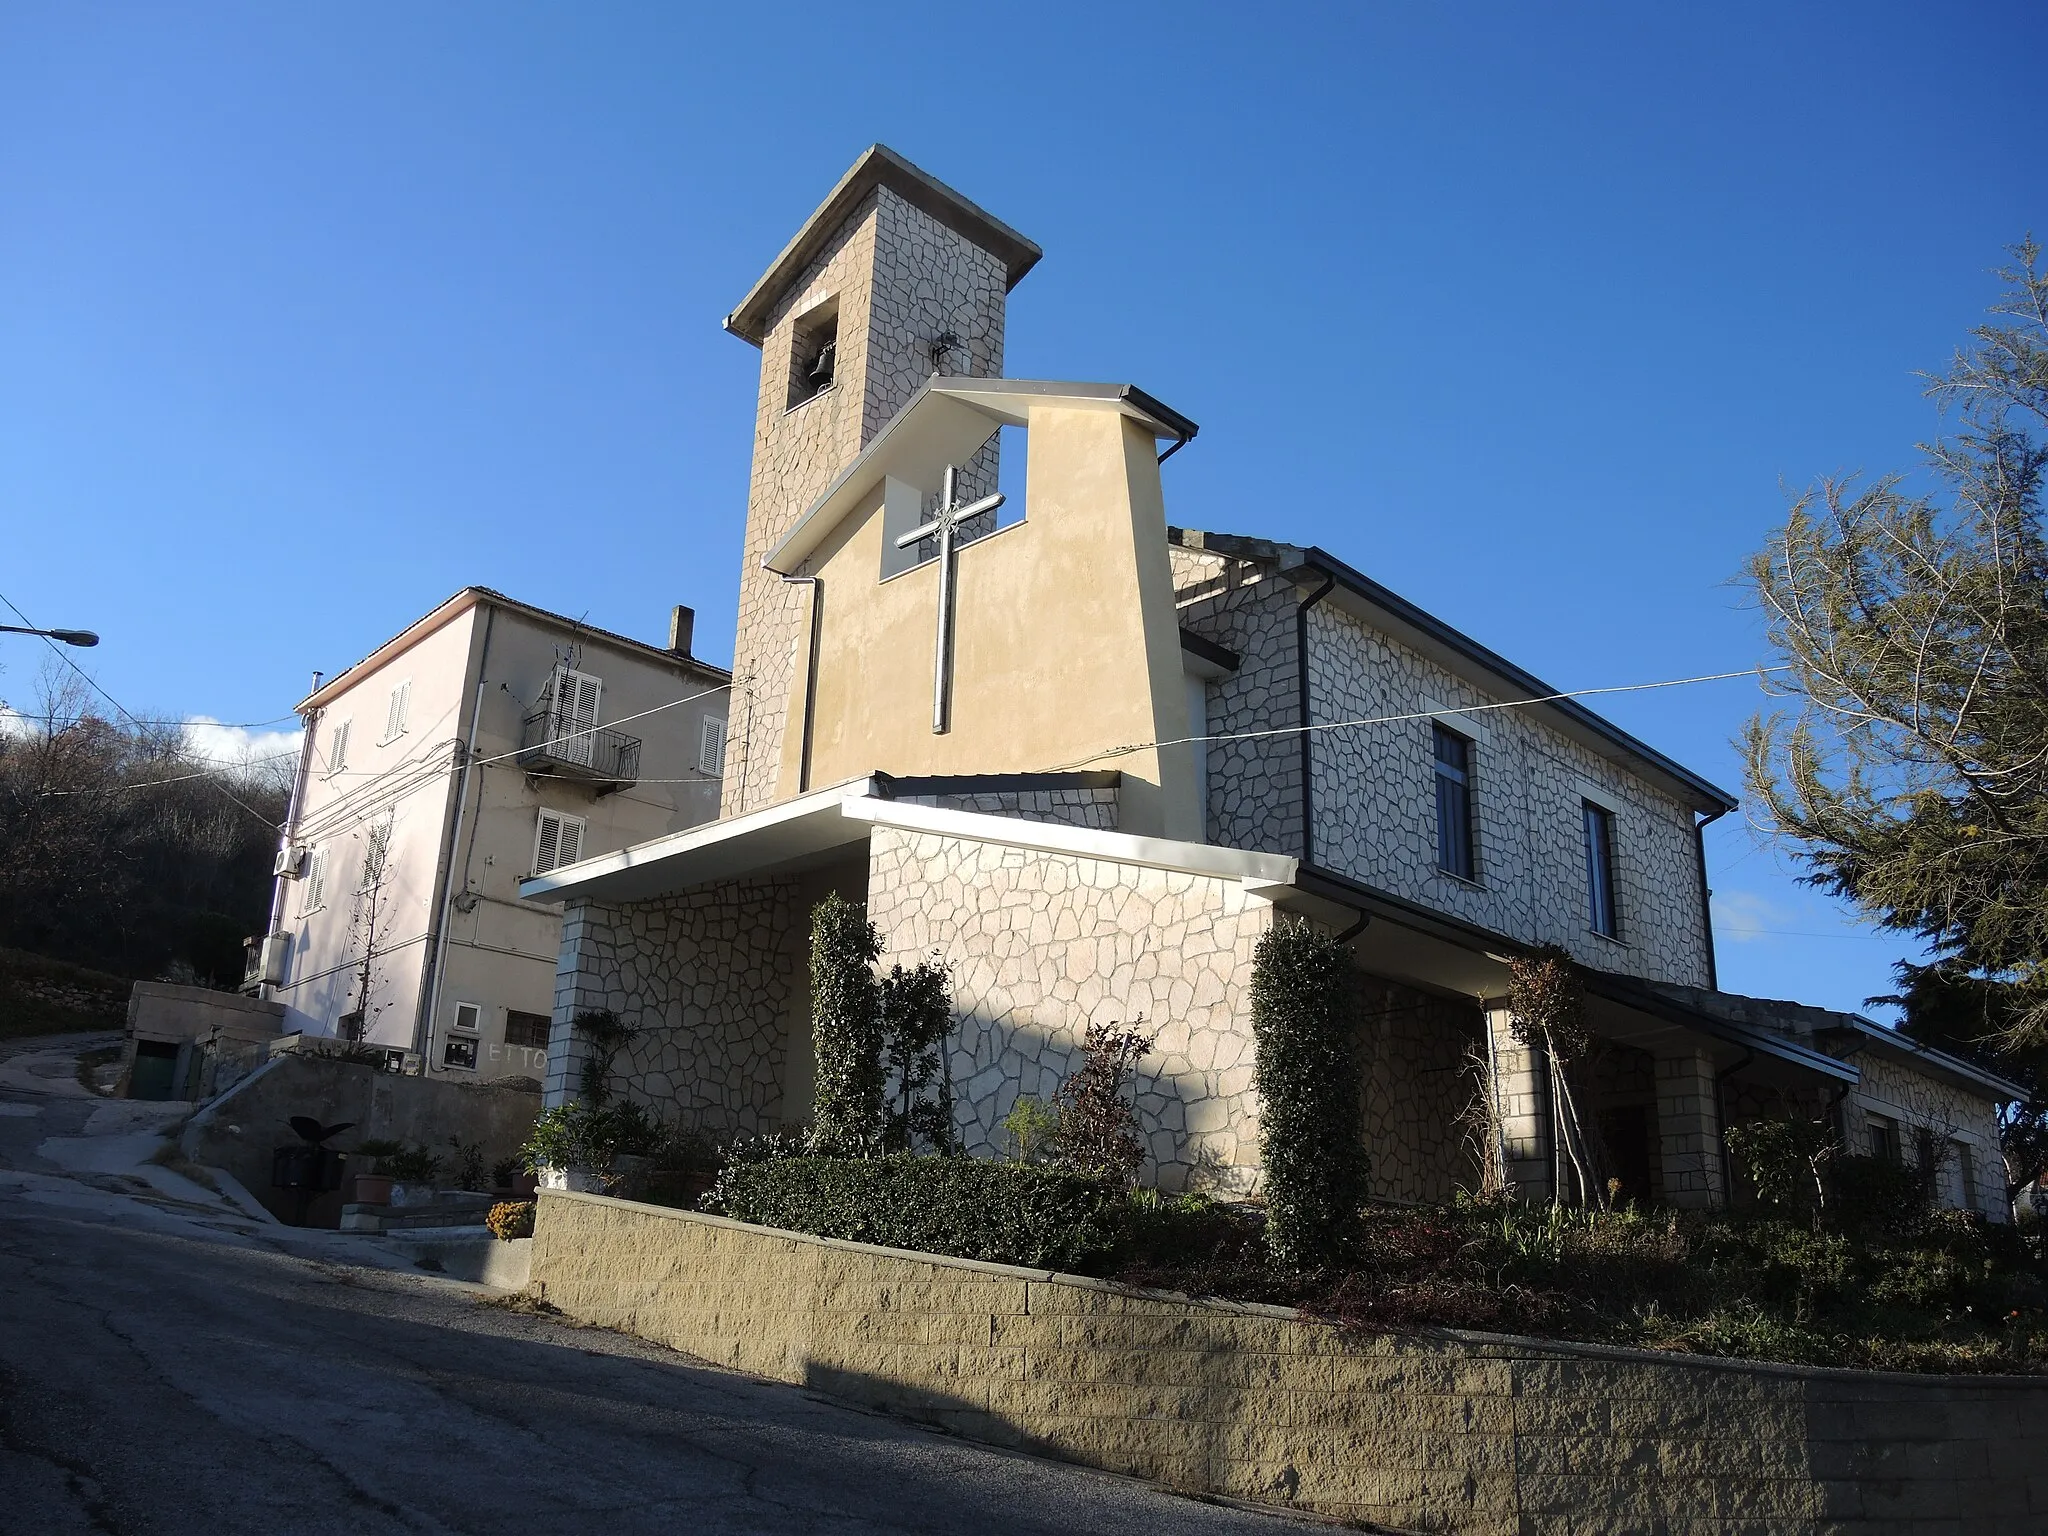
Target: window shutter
[[711, 747], [316, 881], [394, 721], [337, 750], [584, 691], [546, 851], [572, 840]]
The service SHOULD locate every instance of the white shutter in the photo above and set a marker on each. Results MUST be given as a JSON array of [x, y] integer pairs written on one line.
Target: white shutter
[[711, 747], [557, 841], [337, 750], [401, 703], [316, 882]]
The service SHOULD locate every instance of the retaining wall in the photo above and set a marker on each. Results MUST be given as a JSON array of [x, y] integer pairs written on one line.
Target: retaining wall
[[1452, 1433]]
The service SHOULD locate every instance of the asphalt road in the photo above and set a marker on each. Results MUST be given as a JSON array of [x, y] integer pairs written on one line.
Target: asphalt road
[[169, 1369]]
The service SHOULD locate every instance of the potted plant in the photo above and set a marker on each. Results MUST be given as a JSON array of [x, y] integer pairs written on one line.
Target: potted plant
[[511, 1179], [372, 1186], [414, 1170], [566, 1148]]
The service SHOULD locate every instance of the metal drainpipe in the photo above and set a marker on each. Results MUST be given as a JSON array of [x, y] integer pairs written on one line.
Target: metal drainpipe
[[803, 761], [309, 722], [1308, 793], [1699, 839], [423, 1030]]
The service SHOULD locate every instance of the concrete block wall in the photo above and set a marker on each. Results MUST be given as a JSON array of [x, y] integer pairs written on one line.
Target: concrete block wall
[[1475, 1434]]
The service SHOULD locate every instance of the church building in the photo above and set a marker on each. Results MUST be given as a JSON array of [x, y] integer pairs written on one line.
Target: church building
[[986, 687]]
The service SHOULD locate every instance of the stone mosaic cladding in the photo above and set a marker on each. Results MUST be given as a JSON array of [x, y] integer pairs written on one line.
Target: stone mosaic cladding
[[1415, 1089], [1254, 789], [709, 979], [1918, 1102], [901, 279], [1042, 945], [1375, 791], [1094, 808]]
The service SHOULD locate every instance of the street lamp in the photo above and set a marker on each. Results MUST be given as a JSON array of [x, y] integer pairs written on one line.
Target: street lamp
[[68, 636]]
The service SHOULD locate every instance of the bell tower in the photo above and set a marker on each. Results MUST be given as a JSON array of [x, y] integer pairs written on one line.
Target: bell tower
[[896, 277]]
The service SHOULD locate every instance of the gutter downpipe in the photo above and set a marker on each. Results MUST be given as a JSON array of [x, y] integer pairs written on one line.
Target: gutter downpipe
[[1308, 792], [1699, 841], [423, 1029], [308, 722], [803, 760]]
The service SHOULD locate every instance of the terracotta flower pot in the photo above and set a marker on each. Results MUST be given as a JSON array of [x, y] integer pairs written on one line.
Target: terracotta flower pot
[[371, 1189]]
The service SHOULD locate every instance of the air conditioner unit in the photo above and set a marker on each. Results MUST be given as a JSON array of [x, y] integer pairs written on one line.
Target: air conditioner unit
[[291, 863], [273, 958]]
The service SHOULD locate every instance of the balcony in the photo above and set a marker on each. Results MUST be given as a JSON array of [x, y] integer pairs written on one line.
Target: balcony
[[561, 747]]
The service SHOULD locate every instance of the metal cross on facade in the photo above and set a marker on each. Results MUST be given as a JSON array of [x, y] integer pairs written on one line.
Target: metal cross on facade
[[944, 526]]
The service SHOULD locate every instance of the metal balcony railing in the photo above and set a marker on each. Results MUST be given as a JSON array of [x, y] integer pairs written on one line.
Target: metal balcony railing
[[555, 743]]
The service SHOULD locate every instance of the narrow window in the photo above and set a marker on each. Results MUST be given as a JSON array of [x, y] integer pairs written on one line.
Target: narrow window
[[814, 353], [316, 882], [558, 840], [527, 1029], [468, 1017], [396, 714], [1600, 870], [1884, 1138], [1453, 803], [337, 750], [711, 747], [1966, 1174]]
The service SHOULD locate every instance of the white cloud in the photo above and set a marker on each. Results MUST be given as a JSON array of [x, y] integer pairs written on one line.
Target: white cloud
[[15, 723], [206, 737], [1747, 917]]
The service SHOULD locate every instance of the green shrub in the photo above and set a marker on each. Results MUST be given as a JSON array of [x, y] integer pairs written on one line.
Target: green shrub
[[846, 1029], [566, 1136], [509, 1219], [1307, 1075], [412, 1165], [1097, 1128], [1004, 1213]]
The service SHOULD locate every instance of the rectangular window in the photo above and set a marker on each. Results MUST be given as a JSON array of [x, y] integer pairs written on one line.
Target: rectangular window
[[1600, 870], [459, 1054], [557, 840], [337, 750], [1966, 1175], [814, 352], [468, 1017], [528, 1029], [711, 747], [1884, 1138], [315, 883], [1453, 803], [573, 698], [399, 711]]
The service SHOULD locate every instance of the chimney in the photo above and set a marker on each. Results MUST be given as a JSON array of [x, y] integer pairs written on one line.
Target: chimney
[[681, 621]]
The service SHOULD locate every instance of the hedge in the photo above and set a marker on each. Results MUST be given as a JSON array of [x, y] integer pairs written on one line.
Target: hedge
[[1003, 1213]]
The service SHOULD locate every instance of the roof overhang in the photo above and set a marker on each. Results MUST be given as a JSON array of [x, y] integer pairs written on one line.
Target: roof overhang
[[1862, 1034], [946, 422], [879, 166]]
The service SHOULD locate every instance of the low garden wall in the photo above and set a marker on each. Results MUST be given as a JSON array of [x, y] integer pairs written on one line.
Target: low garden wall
[[1452, 1433]]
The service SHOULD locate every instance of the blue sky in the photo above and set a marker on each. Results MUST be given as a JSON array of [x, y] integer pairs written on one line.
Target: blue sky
[[310, 316]]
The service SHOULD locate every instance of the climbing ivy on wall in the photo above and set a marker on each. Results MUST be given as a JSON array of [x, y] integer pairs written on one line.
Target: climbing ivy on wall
[[1307, 1074]]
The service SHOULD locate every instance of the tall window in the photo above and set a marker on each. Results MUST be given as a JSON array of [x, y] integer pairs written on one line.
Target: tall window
[[1884, 1137], [558, 840], [1600, 870], [314, 896], [337, 750], [398, 712], [1453, 803], [711, 746]]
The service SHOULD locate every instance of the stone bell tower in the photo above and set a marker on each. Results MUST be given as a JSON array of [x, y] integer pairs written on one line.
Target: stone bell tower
[[896, 277]]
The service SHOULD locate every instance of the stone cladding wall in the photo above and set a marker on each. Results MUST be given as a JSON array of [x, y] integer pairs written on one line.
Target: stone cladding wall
[[1042, 945], [1375, 797], [901, 278], [1254, 789], [1468, 1433], [709, 979], [1417, 1085], [1094, 808], [1919, 1102]]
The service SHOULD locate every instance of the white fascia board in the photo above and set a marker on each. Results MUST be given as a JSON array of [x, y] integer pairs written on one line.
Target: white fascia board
[[576, 879], [945, 422], [1262, 874]]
